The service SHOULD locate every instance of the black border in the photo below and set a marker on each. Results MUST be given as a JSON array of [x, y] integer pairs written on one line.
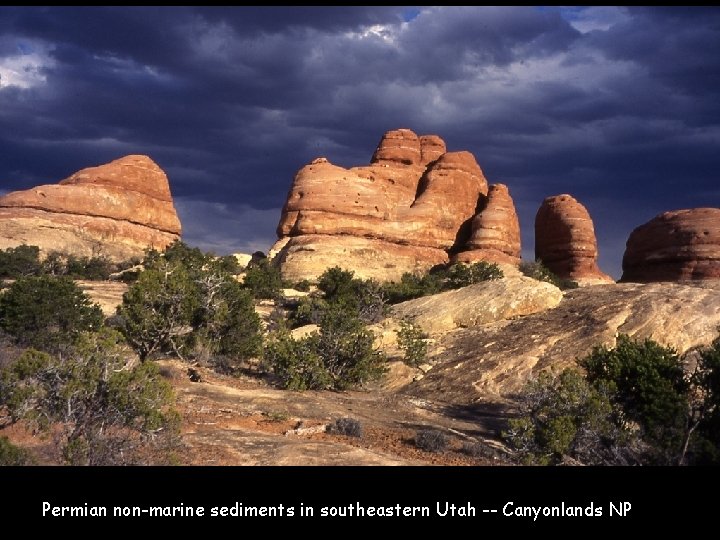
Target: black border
[[658, 496]]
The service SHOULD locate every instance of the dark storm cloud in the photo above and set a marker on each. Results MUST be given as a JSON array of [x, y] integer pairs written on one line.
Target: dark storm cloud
[[616, 106]]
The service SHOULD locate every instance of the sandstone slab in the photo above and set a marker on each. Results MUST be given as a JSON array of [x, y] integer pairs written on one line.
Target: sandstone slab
[[479, 304], [493, 361]]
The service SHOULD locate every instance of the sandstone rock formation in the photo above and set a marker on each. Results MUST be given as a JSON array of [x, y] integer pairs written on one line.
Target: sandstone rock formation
[[479, 304], [116, 210], [492, 362], [495, 233], [308, 256], [242, 258], [405, 212], [675, 246], [565, 240]]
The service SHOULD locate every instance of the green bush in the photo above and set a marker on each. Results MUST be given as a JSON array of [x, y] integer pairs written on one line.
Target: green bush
[[411, 340], [346, 348], [46, 312], [187, 304], [650, 386], [635, 405], [20, 261], [296, 362], [308, 310], [302, 286], [439, 279], [704, 445], [91, 268], [263, 279], [339, 357], [412, 286], [227, 325], [99, 409], [24, 261], [359, 298], [157, 310], [339, 290], [566, 416], [537, 270], [13, 455], [463, 275]]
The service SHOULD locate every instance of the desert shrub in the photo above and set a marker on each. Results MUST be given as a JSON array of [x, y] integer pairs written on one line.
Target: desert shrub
[[478, 450], [439, 279], [339, 357], [650, 387], [431, 440], [91, 268], [411, 340], [100, 409], [178, 252], [188, 304], [129, 276], [565, 416], [537, 270], [47, 312], [229, 265], [635, 405], [302, 285], [12, 455], [703, 444], [361, 298], [411, 286], [308, 310], [263, 279], [157, 310], [296, 362], [339, 291], [346, 348], [20, 261], [462, 275], [346, 426]]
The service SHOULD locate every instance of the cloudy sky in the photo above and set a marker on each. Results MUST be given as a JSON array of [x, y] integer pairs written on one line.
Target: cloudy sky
[[619, 107]]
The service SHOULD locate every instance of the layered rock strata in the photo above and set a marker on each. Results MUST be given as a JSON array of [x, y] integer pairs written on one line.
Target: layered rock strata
[[495, 233], [409, 210], [675, 246], [117, 210], [565, 240]]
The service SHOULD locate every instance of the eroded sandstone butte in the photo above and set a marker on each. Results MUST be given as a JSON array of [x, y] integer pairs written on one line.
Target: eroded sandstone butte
[[495, 233], [407, 211], [116, 210], [565, 240], [675, 246]]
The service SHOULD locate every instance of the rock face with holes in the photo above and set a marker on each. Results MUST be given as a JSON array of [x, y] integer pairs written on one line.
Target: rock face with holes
[[675, 246], [117, 210], [407, 211], [565, 240]]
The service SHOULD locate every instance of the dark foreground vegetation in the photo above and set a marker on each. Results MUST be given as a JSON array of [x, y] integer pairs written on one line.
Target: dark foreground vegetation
[[637, 403]]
